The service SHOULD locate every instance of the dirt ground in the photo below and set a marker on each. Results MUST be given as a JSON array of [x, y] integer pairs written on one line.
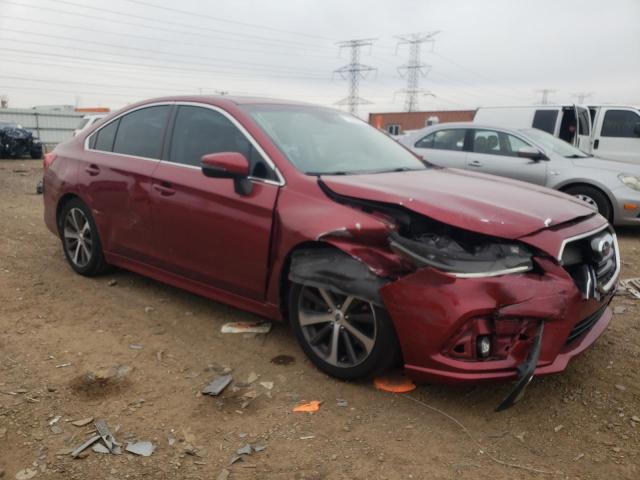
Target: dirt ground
[[60, 334]]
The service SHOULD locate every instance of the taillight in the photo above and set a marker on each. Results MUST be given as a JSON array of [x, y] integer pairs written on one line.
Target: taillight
[[48, 160]]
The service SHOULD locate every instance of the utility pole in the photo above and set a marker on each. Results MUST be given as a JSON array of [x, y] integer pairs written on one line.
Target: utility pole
[[414, 68], [544, 100], [354, 71], [581, 96]]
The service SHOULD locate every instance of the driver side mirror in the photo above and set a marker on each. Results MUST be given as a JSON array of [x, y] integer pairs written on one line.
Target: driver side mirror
[[531, 153], [232, 165]]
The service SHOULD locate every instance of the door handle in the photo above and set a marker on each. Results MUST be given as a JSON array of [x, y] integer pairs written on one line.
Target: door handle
[[475, 163], [596, 144], [164, 188], [92, 170]]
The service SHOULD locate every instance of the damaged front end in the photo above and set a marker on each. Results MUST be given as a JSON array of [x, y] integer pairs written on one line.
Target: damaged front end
[[470, 307]]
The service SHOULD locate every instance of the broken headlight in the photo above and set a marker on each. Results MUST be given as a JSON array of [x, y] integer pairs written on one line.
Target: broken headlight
[[473, 256]]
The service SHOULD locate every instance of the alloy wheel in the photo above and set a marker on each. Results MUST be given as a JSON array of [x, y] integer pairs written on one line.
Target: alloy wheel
[[588, 200], [340, 329], [78, 240]]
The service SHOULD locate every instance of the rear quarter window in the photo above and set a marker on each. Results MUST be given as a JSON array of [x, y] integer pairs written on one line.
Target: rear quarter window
[[103, 138], [141, 132]]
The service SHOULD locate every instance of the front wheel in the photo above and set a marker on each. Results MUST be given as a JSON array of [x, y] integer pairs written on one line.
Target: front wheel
[[80, 239], [344, 336], [593, 197]]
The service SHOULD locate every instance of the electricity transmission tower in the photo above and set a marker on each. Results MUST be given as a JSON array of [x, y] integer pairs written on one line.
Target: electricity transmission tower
[[414, 68], [581, 96], [544, 100], [354, 71]]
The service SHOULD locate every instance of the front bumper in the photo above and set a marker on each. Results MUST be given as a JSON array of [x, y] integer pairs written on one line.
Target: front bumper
[[430, 308], [623, 214]]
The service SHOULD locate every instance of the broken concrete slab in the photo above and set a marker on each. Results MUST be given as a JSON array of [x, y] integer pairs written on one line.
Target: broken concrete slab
[[100, 448], [144, 449], [216, 387], [245, 450]]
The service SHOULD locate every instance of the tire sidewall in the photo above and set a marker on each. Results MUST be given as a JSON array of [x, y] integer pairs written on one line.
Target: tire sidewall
[[604, 207], [384, 355], [96, 262]]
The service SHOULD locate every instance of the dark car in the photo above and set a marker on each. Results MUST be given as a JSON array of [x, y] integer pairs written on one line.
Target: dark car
[[16, 142], [307, 214]]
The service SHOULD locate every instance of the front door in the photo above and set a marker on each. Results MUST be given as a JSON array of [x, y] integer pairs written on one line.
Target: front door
[[618, 135], [204, 230], [496, 152]]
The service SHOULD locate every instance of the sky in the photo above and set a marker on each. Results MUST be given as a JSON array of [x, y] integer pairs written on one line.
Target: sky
[[93, 53]]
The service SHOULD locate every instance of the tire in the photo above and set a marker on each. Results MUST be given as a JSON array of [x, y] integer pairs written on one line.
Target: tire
[[594, 197], [84, 257], [36, 154], [361, 361]]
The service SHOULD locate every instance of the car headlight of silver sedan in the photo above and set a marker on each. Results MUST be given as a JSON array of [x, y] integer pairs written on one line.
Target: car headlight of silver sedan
[[631, 181]]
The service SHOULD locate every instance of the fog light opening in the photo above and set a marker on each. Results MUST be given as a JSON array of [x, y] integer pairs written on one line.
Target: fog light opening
[[484, 346]]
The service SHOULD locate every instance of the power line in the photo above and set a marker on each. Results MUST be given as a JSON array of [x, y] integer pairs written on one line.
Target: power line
[[92, 29], [414, 68], [245, 37], [544, 95], [149, 50], [354, 71], [226, 20]]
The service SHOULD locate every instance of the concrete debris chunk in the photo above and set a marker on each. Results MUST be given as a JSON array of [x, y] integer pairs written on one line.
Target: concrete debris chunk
[[26, 474], [100, 448], [82, 422], [216, 387], [245, 450], [631, 286], [267, 385], [246, 327], [223, 475], [144, 449]]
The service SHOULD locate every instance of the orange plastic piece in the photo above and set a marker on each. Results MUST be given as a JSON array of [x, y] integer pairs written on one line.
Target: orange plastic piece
[[630, 206], [395, 383], [311, 407]]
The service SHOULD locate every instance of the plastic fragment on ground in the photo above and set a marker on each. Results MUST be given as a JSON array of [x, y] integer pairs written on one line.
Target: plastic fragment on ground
[[394, 383], [216, 387], [246, 327], [309, 407]]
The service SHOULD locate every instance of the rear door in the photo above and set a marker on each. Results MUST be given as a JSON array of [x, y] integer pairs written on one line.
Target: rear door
[[495, 152], [583, 133], [617, 134], [444, 147], [115, 179], [204, 230]]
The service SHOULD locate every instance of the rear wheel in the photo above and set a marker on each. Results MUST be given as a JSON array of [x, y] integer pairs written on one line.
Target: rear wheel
[[344, 336], [593, 197], [80, 240]]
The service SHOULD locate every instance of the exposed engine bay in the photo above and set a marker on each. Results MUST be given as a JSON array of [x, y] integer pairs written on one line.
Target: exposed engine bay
[[17, 142]]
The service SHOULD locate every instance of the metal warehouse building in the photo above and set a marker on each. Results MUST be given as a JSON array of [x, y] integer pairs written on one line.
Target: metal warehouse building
[[397, 122]]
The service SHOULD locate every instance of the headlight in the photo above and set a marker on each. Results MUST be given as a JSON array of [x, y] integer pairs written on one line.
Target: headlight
[[630, 181], [486, 258]]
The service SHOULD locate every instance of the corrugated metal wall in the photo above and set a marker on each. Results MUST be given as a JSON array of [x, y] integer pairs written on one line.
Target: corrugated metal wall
[[50, 127]]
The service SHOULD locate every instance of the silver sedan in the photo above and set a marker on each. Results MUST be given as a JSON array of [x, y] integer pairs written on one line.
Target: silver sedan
[[530, 155]]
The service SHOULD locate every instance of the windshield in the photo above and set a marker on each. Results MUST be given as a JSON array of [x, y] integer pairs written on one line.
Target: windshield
[[320, 141], [554, 144]]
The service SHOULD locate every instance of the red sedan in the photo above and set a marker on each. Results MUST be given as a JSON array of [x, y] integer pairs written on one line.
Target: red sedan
[[306, 214]]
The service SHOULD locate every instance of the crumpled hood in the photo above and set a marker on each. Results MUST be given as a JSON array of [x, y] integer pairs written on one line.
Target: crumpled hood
[[477, 202]]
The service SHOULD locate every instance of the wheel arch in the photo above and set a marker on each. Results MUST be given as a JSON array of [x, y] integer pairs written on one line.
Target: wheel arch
[[596, 185], [64, 199]]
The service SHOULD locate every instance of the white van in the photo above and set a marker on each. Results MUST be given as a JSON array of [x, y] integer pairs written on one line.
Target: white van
[[87, 121], [607, 131]]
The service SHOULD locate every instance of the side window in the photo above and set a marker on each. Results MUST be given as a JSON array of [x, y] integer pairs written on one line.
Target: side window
[[140, 132], [199, 131], [620, 123], [512, 144], [425, 142], [486, 141], [545, 120], [103, 139], [448, 139]]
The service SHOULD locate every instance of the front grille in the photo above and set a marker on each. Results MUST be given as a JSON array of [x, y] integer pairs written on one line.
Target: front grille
[[593, 263], [585, 325]]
